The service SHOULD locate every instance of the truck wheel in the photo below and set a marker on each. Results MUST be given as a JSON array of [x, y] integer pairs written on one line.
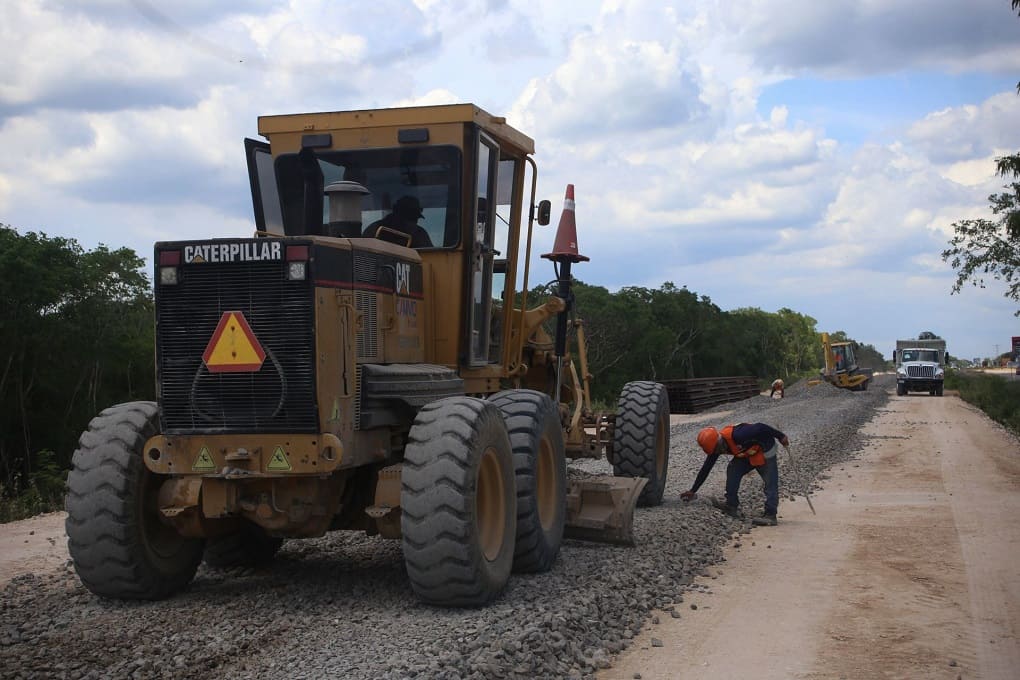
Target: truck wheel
[[119, 544], [249, 546], [540, 473], [938, 391], [458, 514], [641, 438], [901, 390]]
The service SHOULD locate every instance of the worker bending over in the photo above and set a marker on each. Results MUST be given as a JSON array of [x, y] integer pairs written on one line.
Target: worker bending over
[[753, 447], [777, 386]]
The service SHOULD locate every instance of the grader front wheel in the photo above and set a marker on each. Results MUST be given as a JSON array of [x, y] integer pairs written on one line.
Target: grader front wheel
[[641, 438], [540, 470], [119, 545], [457, 503]]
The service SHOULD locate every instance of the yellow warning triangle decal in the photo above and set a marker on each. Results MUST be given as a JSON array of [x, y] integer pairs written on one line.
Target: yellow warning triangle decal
[[278, 461], [204, 462], [233, 347]]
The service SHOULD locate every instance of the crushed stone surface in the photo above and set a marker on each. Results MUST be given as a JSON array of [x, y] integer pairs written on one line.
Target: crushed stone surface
[[341, 605]]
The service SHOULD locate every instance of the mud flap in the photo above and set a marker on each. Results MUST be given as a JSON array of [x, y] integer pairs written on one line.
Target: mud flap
[[602, 509]]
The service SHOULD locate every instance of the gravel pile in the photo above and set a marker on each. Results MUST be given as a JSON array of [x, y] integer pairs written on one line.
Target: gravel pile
[[341, 605]]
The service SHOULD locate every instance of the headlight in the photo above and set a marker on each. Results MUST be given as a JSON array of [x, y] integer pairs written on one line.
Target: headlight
[[168, 276], [296, 271], [901, 371]]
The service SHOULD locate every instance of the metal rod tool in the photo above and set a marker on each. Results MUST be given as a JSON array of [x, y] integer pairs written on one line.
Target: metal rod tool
[[800, 483]]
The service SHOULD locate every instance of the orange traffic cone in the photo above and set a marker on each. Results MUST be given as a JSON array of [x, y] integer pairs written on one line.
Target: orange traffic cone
[[565, 246]]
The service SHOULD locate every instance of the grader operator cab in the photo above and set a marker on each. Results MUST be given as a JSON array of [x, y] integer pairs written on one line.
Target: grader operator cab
[[369, 360]]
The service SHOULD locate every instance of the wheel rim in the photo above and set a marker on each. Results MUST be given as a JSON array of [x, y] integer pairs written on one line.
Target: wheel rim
[[546, 484], [660, 448], [490, 505], [161, 540]]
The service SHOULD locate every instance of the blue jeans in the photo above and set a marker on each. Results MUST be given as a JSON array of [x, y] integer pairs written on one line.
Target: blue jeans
[[738, 467]]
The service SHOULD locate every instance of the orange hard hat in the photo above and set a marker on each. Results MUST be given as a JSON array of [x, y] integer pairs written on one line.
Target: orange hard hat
[[707, 439]]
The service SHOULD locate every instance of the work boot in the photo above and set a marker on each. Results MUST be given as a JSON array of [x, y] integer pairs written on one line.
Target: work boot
[[726, 508], [765, 520]]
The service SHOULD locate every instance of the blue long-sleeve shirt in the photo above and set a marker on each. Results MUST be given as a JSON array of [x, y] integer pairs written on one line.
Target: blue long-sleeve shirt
[[745, 435]]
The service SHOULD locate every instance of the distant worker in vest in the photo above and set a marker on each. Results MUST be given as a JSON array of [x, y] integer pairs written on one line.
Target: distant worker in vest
[[777, 386], [404, 219], [753, 447]]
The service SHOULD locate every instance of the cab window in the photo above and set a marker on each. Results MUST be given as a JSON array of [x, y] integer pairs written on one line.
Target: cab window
[[431, 175]]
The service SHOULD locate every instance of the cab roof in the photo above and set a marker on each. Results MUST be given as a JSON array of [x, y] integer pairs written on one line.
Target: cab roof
[[411, 116]]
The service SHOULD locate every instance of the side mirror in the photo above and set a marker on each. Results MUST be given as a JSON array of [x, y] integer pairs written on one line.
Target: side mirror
[[544, 210]]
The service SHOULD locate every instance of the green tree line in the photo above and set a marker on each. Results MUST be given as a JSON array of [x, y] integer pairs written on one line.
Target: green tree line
[[76, 336], [673, 333]]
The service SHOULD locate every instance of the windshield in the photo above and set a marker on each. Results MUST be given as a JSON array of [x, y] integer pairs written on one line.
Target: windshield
[[920, 355], [429, 175]]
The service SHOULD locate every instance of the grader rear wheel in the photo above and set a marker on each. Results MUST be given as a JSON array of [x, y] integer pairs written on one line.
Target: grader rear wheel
[[120, 546], [540, 470], [458, 514], [641, 438]]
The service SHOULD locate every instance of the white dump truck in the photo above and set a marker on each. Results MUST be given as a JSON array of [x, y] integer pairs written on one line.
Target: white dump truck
[[920, 366]]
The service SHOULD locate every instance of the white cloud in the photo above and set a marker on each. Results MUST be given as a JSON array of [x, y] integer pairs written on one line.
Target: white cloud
[[964, 132], [850, 38], [122, 122]]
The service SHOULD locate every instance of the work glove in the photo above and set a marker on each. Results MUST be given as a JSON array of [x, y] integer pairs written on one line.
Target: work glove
[[688, 496]]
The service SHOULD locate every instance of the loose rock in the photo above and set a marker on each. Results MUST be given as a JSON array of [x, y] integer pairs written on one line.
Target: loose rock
[[341, 605]]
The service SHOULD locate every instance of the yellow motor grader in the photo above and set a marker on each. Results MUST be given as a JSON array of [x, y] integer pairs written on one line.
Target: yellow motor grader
[[371, 360]]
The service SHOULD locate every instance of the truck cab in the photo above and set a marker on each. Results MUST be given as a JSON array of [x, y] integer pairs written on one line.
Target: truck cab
[[919, 369]]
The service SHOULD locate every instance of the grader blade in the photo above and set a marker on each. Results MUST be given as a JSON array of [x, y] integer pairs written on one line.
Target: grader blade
[[602, 509]]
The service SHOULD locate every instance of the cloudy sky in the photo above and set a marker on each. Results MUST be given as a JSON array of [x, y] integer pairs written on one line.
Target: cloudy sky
[[765, 153]]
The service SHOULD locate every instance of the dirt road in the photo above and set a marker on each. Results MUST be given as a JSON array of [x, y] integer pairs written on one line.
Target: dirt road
[[909, 569]]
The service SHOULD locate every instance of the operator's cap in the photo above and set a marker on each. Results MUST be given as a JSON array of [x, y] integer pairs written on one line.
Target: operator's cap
[[408, 206], [707, 440]]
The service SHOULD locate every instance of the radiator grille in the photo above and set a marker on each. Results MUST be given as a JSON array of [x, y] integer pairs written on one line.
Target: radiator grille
[[366, 269], [359, 377], [368, 335], [920, 371], [280, 396]]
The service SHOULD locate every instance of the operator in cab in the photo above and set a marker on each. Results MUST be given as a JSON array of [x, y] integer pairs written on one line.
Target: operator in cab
[[403, 218]]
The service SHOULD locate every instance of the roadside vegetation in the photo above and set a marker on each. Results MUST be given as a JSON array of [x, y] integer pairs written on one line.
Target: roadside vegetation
[[983, 247], [77, 336], [994, 394]]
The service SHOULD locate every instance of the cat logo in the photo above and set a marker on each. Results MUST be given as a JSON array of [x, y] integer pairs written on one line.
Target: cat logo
[[403, 271]]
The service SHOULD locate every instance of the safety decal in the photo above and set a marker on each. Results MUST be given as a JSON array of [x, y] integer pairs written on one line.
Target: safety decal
[[278, 462], [204, 462], [233, 347]]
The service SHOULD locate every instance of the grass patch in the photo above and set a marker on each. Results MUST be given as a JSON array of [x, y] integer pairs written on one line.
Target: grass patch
[[996, 395], [43, 493], [28, 504]]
